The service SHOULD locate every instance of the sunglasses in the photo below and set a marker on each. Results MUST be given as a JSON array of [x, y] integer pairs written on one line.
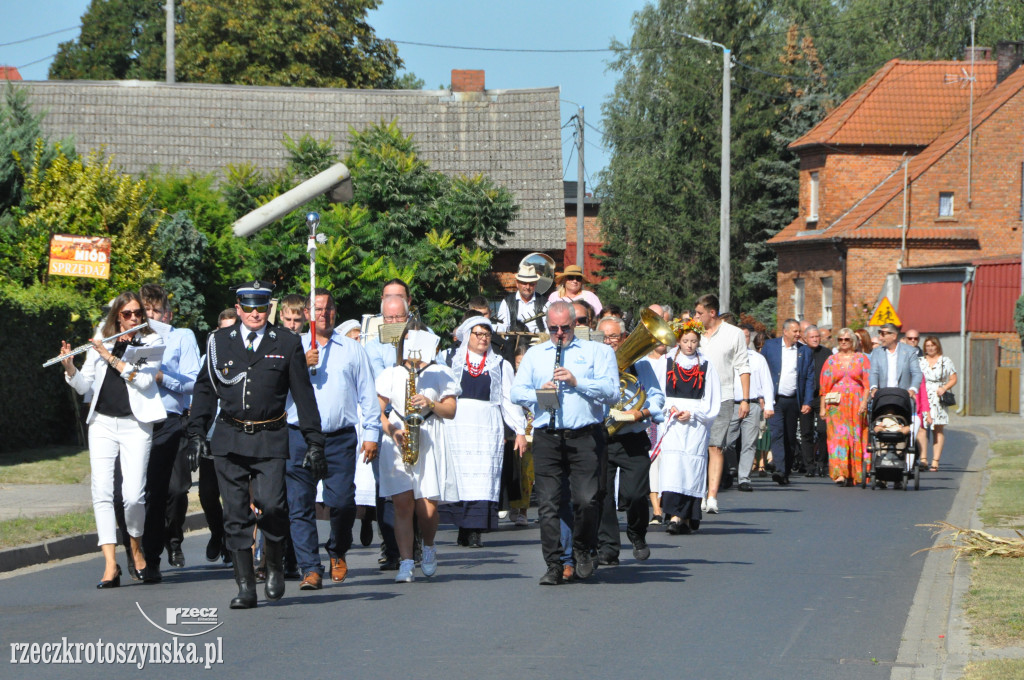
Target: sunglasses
[[573, 278], [561, 329], [129, 313], [259, 309], [581, 319], [912, 339], [887, 332], [845, 339]]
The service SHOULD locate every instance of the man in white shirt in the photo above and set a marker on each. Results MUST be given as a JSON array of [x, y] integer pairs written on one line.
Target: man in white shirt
[[762, 400], [724, 346], [517, 311]]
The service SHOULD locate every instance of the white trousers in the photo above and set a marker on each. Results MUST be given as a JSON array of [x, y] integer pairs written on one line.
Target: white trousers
[[127, 438]]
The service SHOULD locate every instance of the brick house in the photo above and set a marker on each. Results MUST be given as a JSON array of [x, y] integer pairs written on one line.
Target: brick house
[[891, 181]]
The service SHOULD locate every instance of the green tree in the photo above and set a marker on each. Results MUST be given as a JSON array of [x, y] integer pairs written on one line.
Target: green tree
[[307, 43], [85, 197], [181, 249], [120, 39]]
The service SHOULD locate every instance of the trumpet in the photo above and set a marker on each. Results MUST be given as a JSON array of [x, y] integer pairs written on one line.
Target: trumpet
[[87, 346]]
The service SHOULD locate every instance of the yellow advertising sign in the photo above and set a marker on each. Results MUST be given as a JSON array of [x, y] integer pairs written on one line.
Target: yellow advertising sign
[[86, 256], [885, 314]]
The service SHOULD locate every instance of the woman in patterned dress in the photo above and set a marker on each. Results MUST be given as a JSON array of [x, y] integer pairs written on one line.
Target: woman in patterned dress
[[939, 377], [846, 373]]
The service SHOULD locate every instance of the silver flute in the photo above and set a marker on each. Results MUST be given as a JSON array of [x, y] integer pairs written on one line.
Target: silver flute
[[86, 347]]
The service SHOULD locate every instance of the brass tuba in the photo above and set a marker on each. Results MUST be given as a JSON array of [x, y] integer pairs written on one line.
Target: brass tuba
[[648, 334]]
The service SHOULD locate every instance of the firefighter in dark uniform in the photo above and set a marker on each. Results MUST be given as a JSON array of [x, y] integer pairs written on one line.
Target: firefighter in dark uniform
[[250, 369]]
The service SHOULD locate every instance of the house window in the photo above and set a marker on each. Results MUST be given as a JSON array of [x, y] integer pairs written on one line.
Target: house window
[[812, 209], [945, 204], [826, 301], [798, 299]]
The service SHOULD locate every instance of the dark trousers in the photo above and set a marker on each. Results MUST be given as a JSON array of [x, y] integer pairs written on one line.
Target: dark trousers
[[339, 496], [630, 455], [177, 497], [236, 475], [783, 426], [209, 498], [167, 436], [582, 460], [814, 440]]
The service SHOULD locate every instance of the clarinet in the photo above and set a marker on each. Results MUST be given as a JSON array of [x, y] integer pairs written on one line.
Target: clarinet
[[559, 348]]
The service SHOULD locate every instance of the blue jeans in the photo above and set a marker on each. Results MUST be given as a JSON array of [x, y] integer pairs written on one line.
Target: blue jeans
[[339, 496]]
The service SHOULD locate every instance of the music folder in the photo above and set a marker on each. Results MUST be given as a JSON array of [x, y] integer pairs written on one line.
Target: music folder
[[547, 399], [143, 356]]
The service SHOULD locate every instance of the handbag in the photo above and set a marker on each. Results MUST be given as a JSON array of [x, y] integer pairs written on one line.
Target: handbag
[[833, 398], [947, 399]]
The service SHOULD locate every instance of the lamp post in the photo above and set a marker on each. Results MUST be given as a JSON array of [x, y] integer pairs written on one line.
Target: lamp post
[[726, 170]]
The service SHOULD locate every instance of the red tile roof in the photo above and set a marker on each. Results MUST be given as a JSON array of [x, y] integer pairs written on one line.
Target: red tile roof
[[849, 224], [9, 73], [905, 103]]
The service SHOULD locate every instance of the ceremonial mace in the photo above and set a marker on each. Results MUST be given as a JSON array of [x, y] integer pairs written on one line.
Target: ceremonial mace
[[313, 221]]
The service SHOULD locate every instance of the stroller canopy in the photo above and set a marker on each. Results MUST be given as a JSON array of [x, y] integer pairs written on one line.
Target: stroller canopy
[[892, 398]]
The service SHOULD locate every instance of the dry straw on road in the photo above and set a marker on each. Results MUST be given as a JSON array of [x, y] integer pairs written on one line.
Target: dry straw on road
[[974, 542]]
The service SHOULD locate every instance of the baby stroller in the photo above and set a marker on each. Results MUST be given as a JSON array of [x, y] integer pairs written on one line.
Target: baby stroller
[[891, 442]]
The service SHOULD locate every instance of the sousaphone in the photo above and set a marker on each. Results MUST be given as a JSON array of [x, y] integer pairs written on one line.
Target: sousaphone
[[648, 334]]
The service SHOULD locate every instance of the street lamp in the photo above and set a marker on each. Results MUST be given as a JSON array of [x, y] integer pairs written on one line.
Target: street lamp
[[726, 169]]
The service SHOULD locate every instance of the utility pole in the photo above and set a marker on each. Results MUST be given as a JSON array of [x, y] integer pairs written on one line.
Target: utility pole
[[169, 46], [581, 191], [726, 170]]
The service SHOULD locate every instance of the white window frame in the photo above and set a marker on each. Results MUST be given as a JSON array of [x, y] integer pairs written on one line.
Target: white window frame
[[952, 204], [826, 301], [798, 299], [814, 198]]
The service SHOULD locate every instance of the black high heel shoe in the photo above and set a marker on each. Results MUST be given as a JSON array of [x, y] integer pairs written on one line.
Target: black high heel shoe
[[112, 583]]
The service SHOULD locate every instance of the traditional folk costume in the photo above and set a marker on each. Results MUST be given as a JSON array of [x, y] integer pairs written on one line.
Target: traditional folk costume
[[691, 384], [430, 477], [476, 434]]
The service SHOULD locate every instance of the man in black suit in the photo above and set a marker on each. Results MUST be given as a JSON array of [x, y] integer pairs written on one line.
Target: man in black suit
[[813, 435], [250, 369]]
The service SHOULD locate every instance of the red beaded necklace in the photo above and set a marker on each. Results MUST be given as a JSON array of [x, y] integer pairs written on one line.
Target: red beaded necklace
[[693, 374], [475, 371]]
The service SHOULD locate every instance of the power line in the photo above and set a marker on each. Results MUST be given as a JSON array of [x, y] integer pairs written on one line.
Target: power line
[[33, 63], [568, 162], [42, 35], [501, 49]]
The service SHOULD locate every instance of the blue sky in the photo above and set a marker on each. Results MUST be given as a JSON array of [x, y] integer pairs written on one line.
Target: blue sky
[[527, 24]]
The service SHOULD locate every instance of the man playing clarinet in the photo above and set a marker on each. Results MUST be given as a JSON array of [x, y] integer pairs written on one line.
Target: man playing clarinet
[[569, 439]]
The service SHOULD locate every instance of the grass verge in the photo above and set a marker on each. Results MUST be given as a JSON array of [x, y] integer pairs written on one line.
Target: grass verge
[[1003, 502], [26, 530], [48, 465], [1000, 669], [995, 601]]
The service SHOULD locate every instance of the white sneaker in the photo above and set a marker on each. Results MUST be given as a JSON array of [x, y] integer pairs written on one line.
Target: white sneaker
[[703, 504], [405, 574], [712, 506], [521, 520], [429, 562], [502, 514]]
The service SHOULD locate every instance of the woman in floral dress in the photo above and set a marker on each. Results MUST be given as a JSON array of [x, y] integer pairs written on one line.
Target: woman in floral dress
[[846, 373]]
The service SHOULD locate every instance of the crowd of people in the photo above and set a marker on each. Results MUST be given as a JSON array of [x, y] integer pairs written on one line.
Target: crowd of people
[[538, 404]]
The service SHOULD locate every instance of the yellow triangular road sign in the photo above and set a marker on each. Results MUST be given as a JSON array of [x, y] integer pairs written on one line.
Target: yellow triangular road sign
[[885, 314]]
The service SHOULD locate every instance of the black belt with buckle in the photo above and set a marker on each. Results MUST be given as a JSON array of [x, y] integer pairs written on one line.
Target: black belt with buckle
[[566, 433], [254, 426], [351, 429]]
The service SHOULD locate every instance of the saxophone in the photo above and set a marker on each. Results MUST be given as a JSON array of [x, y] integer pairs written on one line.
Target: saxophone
[[413, 421]]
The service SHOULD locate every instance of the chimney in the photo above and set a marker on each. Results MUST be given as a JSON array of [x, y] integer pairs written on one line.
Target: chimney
[[980, 53], [467, 81], [1009, 55]]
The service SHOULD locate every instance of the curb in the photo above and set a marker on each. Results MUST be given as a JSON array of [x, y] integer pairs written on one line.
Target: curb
[[68, 546]]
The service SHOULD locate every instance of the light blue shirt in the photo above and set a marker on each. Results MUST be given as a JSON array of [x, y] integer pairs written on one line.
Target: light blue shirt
[[381, 355], [597, 377], [344, 386], [655, 398], [180, 365]]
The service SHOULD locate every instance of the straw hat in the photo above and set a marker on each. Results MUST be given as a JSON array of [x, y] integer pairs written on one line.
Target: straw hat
[[571, 270]]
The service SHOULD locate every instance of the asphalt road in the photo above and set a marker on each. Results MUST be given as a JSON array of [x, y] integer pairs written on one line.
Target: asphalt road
[[804, 581]]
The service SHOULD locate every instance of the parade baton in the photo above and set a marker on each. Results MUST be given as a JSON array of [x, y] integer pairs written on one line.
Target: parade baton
[[313, 221], [86, 347], [657, 447]]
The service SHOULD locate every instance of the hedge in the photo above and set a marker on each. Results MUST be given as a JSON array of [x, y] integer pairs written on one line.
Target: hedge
[[37, 407]]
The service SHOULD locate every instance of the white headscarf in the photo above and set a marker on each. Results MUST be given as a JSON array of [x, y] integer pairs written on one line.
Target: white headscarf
[[346, 326], [492, 361]]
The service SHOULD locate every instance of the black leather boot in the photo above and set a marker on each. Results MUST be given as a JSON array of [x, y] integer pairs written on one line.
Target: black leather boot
[[274, 587], [245, 577]]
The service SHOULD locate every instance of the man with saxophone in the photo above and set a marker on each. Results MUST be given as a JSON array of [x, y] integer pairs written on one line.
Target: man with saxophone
[[570, 437], [347, 399], [629, 452], [250, 369]]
